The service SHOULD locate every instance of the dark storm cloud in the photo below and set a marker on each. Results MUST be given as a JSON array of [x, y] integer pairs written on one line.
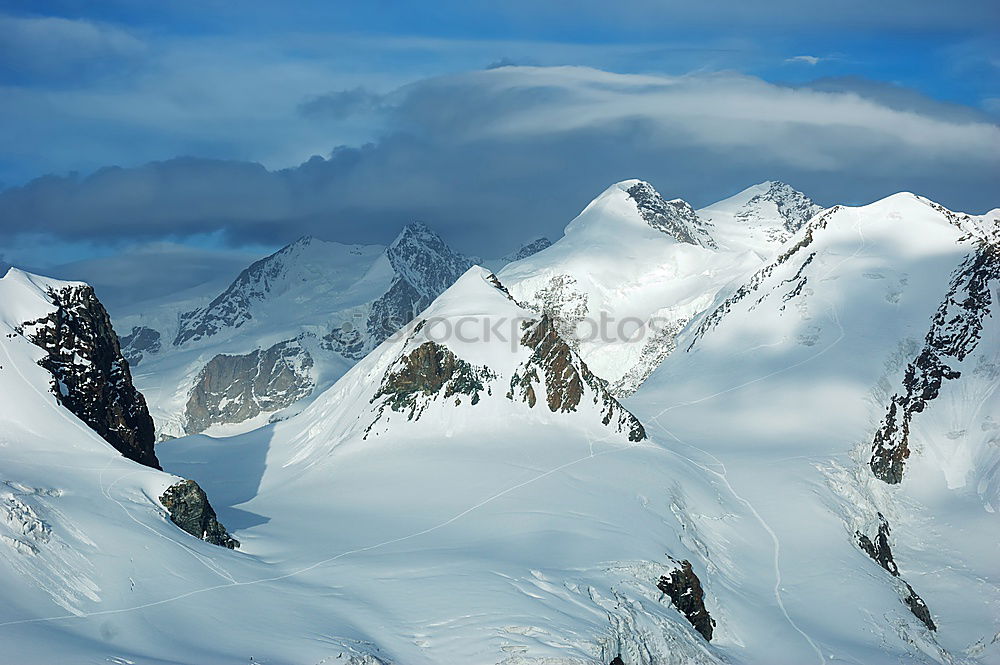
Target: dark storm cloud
[[154, 270], [492, 157]]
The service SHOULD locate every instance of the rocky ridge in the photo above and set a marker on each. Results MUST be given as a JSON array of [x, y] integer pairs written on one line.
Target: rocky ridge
[[551, 376], [676, 218], [684, 589], [90, 377], [879, 550], [954, 333], [555, 368]]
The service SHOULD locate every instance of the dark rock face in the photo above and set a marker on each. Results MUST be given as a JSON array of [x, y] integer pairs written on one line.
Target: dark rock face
[[684, 589], [138, 343], [919, 608], [954, 333], [675, 218], [346, 340], [427, 372], [89, 375], [498, 285], [232, 389], [617, 660], [563, 375], [425, 260], [879, 550], [393, 310], [189, 509], [425, 267], [231, 308]]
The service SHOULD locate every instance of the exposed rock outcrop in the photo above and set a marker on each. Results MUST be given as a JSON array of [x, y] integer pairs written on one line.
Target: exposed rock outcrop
[[233, 389], [138, 343], [90, 377], [346, 340], [564, 304], [676, 218], [188, 507], [685, 591], [879, 550], [954, 333], [391, 311], [423, 375], [564, 377]]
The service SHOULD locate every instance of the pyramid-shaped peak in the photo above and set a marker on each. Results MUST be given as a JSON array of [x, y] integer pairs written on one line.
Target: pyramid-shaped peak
[[422, 258], [772, 204], [415, 230]]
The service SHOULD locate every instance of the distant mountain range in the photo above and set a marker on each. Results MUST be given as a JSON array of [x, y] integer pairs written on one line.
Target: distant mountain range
[[759, 432], [297, 320]]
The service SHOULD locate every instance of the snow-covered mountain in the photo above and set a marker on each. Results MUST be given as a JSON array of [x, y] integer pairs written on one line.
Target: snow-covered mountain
[[454, 519], [287, 327], [629, 273], [86, 517], [810, 476], [847, 391], [760, 218]]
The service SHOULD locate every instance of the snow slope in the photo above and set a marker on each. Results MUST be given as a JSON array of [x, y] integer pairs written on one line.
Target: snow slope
[[522, 545], [470, 492], [80, 528], [629, 273], [761, 218], [781, 388], [298, 318]]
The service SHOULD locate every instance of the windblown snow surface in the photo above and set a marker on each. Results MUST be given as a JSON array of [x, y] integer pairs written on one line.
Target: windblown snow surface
[[425, 510]]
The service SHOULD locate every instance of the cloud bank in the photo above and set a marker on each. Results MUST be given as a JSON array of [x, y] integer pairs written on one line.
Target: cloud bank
[[491, 157]]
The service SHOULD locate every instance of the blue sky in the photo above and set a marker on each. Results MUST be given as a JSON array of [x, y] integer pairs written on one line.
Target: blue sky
[[409, 120]]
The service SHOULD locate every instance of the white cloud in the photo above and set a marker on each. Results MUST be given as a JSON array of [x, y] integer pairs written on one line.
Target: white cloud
[[59, 47], [802, 127], [807, 59]]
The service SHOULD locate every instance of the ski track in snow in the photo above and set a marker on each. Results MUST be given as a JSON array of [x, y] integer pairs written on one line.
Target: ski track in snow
[[78, 424], [313, 566], [722, 475]]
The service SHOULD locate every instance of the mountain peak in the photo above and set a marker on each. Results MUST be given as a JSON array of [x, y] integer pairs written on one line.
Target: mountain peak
[[423, 259], [760, 217], [637, 205], [753, 204], [675, 217], [414, 230], [302, 241]]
